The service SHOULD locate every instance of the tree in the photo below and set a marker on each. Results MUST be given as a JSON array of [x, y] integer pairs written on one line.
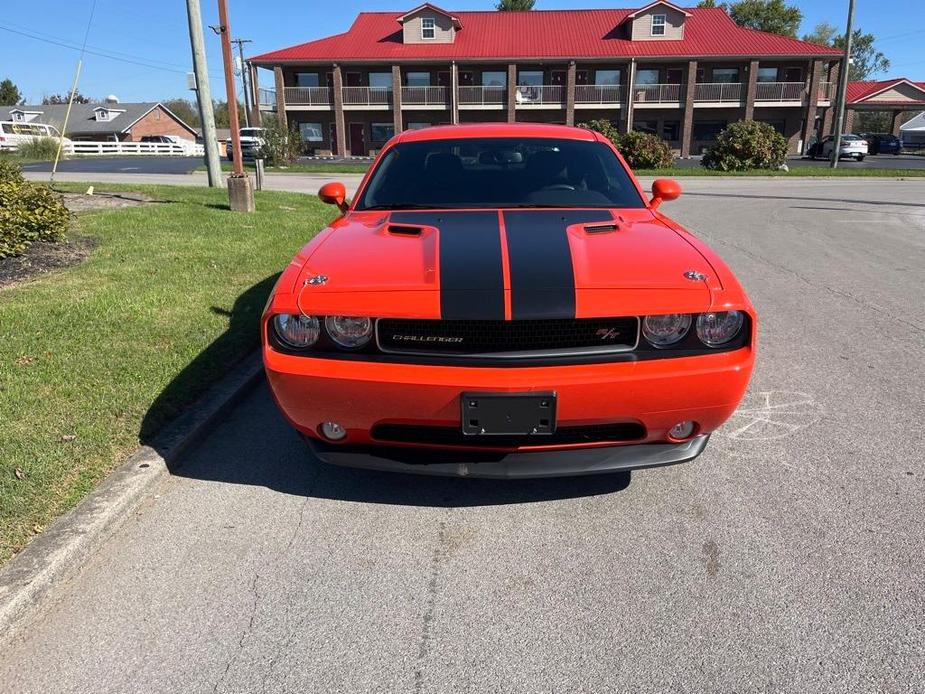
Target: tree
[[221, 115], [184, 110], [866, 60], [767, 15], [9, 93], [63, 98], [710, 4], [514, 5]]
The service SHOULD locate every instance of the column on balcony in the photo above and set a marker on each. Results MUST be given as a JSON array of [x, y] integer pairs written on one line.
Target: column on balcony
[[511, 93], [396, 99], [848, 125], [812, 101], [626, 113], [687, 126], [340, 122], [453, 96], [570, 94], [280, 96], [751, 90], [254, 106]]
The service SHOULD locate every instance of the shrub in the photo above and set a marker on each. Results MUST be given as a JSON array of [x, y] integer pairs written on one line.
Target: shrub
[[28, 212], [280, 145], [42, 148], [645, 151], [641, 150], [746, 144]]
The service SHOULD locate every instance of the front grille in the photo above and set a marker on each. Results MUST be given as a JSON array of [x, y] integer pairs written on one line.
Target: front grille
[[453, 436], [513, 339]]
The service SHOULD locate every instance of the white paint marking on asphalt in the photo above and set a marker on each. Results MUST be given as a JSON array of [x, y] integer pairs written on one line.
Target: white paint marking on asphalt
[[130, 168]]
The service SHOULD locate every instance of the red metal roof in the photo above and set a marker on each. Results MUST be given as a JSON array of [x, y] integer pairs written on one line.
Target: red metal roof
[[544, 34], [860, 90]]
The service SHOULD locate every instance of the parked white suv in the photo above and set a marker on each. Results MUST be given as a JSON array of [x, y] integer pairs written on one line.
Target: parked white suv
[[252, 141], [14, 133]]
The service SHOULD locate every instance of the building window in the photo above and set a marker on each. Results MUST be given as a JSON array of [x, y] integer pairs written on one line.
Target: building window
[[417, 79], [381, 132], [380, 80], [494, 79], [102, 115], [767, 74], [530, 78], [658, 24], [726, 75], [307, 79], [647, 77], [418, 126], [428, 28], [606, 77], [671, 130], [311, 132], [707, 130], [649, 127]]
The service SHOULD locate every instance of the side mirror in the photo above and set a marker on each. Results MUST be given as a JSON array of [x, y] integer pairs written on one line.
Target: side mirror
[[664, 189], [334, 193]]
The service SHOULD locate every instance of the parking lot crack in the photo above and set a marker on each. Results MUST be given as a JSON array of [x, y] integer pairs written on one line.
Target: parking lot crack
[[430, 599], [244, 633]]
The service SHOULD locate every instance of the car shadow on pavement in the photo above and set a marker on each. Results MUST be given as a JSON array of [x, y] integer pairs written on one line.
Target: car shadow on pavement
[[256, 447]]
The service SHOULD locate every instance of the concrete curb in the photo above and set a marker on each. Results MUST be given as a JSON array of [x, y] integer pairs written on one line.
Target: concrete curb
[[58, 552]]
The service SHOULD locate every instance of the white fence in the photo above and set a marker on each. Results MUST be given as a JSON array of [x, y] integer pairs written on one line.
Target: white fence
[[134, 148]]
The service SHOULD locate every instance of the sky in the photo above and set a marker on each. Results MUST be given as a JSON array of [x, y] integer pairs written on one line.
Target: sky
[[149, 54]]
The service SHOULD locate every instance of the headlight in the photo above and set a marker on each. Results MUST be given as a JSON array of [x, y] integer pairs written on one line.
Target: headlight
[[297, 331], [348, 331], [718, 328], [662, 331]]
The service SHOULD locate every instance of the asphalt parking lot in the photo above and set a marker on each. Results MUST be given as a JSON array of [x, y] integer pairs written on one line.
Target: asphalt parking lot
[[788, 558], [133, 165]]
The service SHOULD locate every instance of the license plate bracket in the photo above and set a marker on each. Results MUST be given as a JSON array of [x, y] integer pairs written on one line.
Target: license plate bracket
[[508, 414]]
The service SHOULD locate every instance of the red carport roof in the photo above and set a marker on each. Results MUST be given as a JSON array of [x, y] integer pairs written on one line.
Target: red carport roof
[[544, 34], [860, 90]]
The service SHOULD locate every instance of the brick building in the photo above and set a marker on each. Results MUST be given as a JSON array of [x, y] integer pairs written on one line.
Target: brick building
[[682, 73], [109, 121]]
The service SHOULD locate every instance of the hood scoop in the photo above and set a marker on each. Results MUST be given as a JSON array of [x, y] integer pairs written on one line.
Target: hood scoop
[[404, 230], [601, 228]]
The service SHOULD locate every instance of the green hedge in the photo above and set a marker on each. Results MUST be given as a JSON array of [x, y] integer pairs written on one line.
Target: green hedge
[[641, 150], [28, 212], [746, 145]]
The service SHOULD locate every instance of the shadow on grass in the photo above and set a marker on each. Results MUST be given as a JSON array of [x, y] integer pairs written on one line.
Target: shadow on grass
[[254, 446]]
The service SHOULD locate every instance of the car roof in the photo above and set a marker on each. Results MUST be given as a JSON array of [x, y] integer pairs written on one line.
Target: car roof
[[452, 132]]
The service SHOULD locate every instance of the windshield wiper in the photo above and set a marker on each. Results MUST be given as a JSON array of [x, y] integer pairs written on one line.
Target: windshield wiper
[[404, 206]]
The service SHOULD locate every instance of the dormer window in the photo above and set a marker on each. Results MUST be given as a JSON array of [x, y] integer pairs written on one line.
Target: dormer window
[[428, 28], [102, 115], [658, 24]]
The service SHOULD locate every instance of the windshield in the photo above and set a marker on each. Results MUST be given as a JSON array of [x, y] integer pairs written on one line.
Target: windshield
[[251, 132], [499, 172]]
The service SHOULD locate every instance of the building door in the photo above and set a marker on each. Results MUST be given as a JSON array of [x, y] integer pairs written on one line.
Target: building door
[[334, 139], [674, 75], [558, 77], [793, 74], [581, 76], [443, 79], [466, 79], [353, 79], [357, 141]]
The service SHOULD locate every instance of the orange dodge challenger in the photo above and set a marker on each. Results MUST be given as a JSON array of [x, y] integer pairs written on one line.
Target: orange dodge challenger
[[505, 301]]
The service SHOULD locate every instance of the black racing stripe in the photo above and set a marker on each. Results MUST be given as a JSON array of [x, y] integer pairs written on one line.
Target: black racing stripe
[[471, 275], [542, 279]]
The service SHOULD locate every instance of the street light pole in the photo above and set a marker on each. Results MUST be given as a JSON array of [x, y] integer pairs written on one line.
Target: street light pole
[[204, 93], [843, 87], [240, 192]]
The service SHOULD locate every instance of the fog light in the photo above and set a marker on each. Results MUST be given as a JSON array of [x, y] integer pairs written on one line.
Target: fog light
[[682, 430], [333, 431]]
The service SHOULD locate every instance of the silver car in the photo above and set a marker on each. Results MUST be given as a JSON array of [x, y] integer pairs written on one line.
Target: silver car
[[851, 146]]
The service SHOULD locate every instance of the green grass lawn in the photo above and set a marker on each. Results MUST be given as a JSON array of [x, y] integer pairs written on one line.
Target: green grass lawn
[[795, 172], [98, 356]]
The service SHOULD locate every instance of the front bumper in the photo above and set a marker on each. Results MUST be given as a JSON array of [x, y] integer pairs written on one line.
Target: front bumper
[[562, 463]]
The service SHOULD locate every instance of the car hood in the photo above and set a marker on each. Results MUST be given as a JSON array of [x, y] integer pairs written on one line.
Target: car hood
[[537, 263]]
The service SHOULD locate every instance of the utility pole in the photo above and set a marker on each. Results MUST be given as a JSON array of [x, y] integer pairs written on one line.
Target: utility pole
[[843, 87], [240, 191], [247, 100], [204, 93]]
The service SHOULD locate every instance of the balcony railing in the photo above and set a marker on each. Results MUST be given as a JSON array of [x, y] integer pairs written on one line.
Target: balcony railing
[[598, 94], [367, 96], [718, 92], [656, 93], [482, 96], [539, 95], [779, 91], [826, 91], [308, 96], [267, 97], [423, 96]]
